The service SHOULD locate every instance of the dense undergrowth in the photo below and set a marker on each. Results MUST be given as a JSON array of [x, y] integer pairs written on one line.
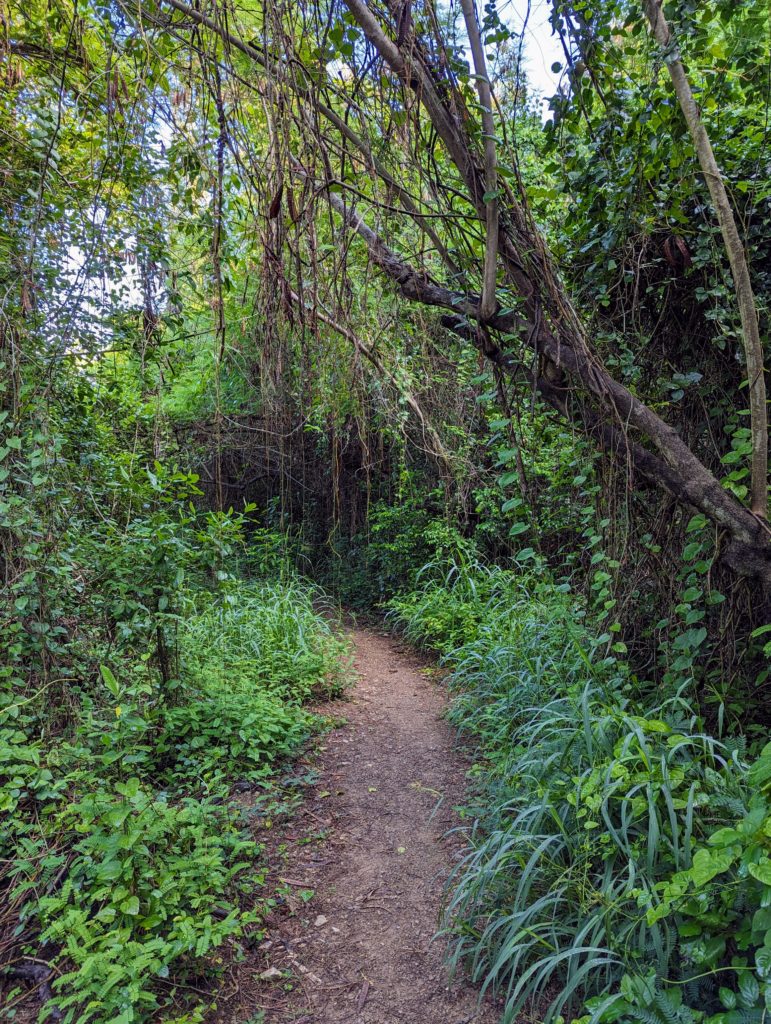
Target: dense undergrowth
[[179, 293], [150, 663], [124, 860], [618, 868]]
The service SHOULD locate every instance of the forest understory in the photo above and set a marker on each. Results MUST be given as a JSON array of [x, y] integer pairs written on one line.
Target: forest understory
[[384, 541]]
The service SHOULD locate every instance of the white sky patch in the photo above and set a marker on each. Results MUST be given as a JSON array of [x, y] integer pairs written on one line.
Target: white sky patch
[[542, 46], [96, 291]]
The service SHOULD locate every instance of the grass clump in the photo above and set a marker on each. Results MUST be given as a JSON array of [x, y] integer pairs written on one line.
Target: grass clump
[[593, 793], [277, 636]]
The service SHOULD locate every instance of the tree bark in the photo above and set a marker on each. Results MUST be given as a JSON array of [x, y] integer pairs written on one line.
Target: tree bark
[[490, 198]]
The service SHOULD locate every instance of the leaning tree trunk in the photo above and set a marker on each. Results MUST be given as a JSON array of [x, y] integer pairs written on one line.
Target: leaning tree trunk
[[737, 257], [553, 326], [548, 322]]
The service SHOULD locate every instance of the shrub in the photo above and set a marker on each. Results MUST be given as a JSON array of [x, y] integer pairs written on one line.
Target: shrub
[[446, 610], [227, 734], [146, 887], [385, 559], [124, 857]]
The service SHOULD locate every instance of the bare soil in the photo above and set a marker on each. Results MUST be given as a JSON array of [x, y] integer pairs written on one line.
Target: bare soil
[[372, 843]]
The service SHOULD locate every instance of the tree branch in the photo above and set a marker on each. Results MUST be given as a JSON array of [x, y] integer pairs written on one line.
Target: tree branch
[[670, 470], [563, 340], [488, 303], [557, 335], [410, 207], [737, 257]]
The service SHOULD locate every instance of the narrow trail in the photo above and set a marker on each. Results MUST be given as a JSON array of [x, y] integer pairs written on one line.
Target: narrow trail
[[362, 950]]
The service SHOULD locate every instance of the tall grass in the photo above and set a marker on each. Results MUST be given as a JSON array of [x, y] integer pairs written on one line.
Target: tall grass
[[272, 635], [589, 794], [251, 655]]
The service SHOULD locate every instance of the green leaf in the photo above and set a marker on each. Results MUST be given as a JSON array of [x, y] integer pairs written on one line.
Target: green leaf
[[763, 963], [749, 990], [511, 504], [110, 681], [709, 863], [761, 871], [508, 478], [727, 998], [760, 771], [109, 870], [724, 837], [130, 906]]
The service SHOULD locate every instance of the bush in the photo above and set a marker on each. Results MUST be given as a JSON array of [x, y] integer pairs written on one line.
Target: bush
[[370, 568], [445, 614], [112, 881], [226, 735], [125, 856], [144, 881]]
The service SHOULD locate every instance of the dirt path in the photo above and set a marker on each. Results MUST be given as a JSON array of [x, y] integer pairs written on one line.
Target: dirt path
[[361, 950]]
